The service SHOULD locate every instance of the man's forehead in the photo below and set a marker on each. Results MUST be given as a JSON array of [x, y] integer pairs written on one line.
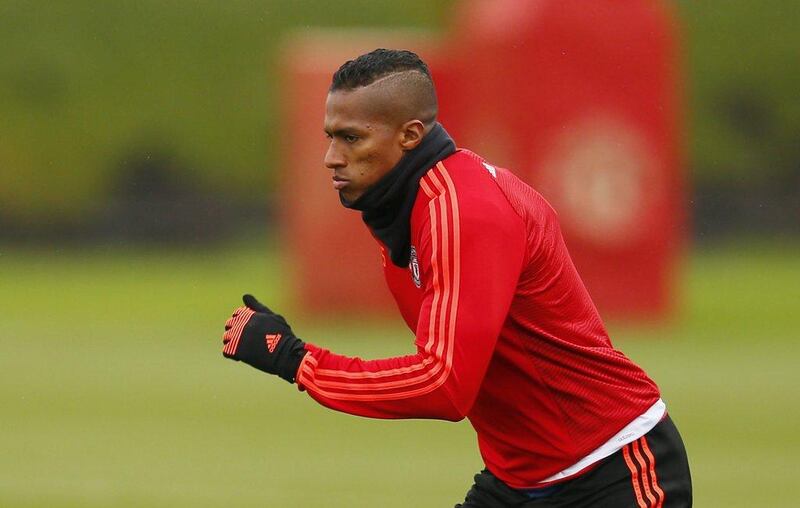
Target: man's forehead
[[359, 106], [365, 97]]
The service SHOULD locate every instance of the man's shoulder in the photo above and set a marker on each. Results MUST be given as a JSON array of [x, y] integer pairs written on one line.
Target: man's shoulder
[[480, 186], [460, 170], [465, 160], [465, 185]]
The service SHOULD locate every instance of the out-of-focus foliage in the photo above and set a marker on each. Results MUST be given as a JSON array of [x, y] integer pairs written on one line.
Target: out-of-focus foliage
[[743, 65], [86, 84]]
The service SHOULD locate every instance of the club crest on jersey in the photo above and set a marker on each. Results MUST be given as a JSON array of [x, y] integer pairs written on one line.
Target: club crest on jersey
[[413, 267]]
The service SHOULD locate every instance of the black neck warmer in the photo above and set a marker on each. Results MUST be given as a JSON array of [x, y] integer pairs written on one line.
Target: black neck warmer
[[386, 206]]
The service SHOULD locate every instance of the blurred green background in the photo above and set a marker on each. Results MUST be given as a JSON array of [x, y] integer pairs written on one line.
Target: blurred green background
[[114, 393], [117, 115], [89, 91]]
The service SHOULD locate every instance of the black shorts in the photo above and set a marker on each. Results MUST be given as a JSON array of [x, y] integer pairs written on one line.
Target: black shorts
[[653, 471]]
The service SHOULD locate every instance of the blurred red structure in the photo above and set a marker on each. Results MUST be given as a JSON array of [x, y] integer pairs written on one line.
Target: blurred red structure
[[579, 99], [337, 264]]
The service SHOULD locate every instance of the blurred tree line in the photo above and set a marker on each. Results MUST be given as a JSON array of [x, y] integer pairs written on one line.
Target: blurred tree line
[[105, 106], [742, 61]]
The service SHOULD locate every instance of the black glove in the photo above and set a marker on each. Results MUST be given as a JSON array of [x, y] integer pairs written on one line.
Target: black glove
[[259, 337]]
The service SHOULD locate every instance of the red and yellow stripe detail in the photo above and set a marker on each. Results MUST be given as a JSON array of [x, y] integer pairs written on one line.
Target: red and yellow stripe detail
[[234, 328], [422, 373], [642, 465]]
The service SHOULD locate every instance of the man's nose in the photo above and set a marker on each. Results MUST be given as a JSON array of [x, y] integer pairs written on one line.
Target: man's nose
[[334, 158]]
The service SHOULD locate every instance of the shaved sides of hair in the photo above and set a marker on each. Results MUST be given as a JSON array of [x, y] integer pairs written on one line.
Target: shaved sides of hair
[[401, 74]]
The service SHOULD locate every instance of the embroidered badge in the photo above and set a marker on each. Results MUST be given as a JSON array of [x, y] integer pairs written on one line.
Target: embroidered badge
[[413, 267]]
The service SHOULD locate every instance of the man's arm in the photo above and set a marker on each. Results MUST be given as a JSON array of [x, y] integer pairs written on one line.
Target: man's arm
[[471, 251]]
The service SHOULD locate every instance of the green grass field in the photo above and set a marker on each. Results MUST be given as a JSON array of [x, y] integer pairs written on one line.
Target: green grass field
[[113, 391]]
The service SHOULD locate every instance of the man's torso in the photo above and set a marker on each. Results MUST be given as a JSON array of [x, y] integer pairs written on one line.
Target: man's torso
[[555, 388]]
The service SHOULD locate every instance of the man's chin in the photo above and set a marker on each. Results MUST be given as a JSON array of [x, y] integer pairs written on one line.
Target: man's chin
[[348, 198]]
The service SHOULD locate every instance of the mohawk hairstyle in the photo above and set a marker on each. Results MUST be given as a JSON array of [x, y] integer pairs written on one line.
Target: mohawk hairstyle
[[368, 68]]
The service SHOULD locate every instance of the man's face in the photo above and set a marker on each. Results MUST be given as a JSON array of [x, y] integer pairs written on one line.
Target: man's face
[[365, 143]]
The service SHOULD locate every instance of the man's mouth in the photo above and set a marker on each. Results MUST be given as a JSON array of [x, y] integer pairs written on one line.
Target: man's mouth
[[339, 183]]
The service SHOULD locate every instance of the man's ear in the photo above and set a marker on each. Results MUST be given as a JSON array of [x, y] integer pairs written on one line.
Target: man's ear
[[411, 134]]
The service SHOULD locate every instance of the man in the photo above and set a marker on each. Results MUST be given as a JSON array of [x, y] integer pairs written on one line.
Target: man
[[506, 334]]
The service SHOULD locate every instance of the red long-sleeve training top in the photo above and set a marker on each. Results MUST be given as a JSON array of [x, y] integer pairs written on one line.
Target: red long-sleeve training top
[[506, 334]]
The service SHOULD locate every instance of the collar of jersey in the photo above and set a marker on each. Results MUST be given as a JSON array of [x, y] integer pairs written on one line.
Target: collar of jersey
[[386, 206]]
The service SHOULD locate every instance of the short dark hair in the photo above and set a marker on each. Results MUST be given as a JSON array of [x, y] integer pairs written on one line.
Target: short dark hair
[[368, 68]]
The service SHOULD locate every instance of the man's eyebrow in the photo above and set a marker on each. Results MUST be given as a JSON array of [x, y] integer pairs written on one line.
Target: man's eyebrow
[[342, 131]]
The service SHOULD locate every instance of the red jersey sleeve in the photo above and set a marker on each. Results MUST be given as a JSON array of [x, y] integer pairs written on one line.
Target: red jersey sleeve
[[471, 246]]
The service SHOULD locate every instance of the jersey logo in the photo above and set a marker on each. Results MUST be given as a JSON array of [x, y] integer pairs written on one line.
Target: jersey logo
[[272, 341], [491, 169], [413, 267]]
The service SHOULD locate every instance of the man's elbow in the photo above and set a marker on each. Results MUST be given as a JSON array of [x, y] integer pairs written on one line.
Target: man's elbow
[[446, 414], [454, 408], [454, 416]]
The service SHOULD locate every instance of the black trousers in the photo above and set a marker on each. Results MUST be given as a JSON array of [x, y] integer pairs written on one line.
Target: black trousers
[[651, 472]]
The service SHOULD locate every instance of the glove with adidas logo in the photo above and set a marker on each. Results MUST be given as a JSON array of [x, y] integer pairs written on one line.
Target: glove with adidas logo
[[260, 338]]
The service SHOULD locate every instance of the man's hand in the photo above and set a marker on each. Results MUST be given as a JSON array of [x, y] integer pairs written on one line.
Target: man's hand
[[259, 337]]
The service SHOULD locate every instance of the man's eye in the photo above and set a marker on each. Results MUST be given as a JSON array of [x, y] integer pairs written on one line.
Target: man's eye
[[350, 138]]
